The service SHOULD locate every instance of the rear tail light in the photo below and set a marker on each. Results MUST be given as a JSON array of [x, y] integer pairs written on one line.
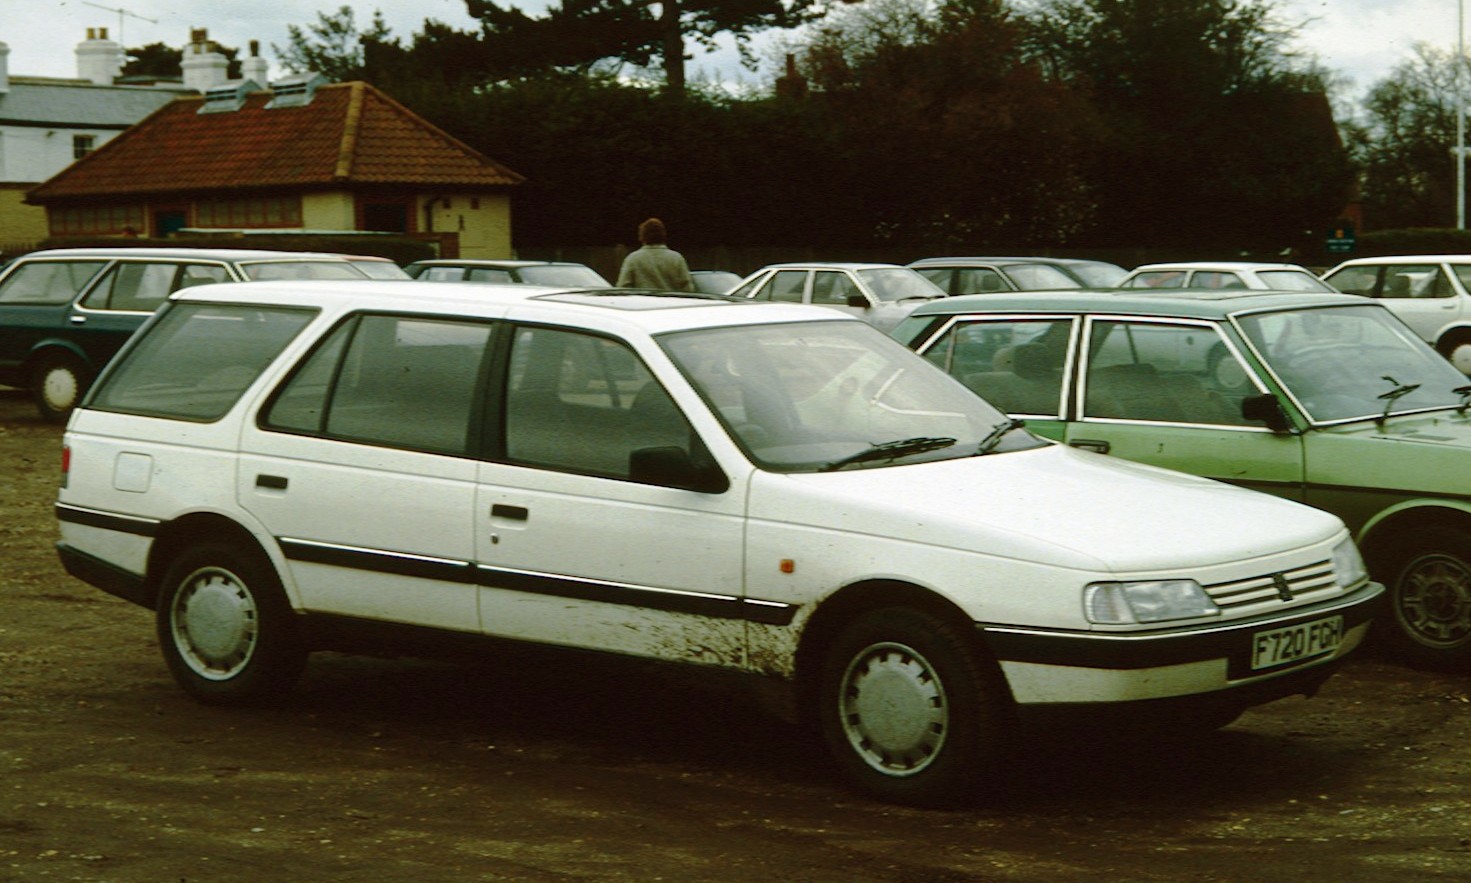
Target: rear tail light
[[66, 463]]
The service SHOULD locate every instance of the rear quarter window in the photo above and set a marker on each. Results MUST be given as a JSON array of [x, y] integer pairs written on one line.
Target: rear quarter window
[[196, 360]]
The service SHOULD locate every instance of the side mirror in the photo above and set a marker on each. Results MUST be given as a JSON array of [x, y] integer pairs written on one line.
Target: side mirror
[[858, 301], [1266, 409], [672, 466]]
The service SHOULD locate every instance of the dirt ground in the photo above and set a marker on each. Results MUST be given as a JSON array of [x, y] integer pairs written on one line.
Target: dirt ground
[[396, 770]]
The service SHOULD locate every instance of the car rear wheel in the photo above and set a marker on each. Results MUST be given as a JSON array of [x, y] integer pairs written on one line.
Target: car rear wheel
[[225, 628], [57, 383], [1430, 600], [911, 710]]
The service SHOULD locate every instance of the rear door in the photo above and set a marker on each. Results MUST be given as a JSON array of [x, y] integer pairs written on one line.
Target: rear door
[[362, 468]]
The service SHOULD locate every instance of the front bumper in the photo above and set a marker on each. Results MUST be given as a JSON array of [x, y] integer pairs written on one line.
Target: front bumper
[[1053, 667]]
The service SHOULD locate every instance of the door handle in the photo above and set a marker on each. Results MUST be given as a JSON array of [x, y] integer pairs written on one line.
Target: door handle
[[271, 482], [1089, 444], [77, 320], [513, 513]]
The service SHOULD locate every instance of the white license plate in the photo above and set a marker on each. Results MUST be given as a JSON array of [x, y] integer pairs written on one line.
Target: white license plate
[[1280, 646]]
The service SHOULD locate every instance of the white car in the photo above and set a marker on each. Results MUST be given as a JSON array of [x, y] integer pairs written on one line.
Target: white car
[[879, 294], [1224, 275], [1431, 293], [765, 489]]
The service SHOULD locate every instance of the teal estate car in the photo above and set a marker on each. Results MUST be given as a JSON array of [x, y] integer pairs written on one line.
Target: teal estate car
[[1321, 398]]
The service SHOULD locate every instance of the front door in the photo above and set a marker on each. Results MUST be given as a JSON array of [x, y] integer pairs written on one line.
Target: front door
[[572, 548]]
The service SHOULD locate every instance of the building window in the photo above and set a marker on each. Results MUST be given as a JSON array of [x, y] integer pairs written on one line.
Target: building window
[[260, 212], [115, 220], [83, 145]]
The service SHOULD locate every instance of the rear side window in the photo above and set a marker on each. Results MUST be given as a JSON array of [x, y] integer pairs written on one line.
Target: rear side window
[[142, 287], [396, 381], [196, 361], [47, 282]]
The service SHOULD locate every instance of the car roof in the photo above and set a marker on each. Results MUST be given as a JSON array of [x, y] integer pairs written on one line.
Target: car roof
[[1012, 259], [503, 264], [1219, 265], [652, 311], [832, 265], [1174, 303], [1406, 259], [212, 254]]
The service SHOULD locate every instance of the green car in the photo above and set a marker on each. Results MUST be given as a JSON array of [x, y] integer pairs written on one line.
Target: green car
[[1321, 398]]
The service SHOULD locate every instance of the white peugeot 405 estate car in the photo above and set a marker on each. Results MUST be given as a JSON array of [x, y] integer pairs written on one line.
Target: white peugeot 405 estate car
[[764, 488]]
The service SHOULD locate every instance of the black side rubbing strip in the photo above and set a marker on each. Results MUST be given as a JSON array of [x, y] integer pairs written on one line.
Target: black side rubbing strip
[[137, 526]]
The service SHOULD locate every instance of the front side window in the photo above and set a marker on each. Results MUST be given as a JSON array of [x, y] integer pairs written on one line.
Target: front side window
[[979, 280], [47, 282], [1352, 362], [784, 285], [583, 403], [197, 360], [833, 288], [1015, 364], [1172, 373], [401, 382], [818, 396]]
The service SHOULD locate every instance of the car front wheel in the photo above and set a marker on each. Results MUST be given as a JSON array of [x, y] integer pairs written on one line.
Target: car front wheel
[[911, 710], [1430, 597], [225, 628]]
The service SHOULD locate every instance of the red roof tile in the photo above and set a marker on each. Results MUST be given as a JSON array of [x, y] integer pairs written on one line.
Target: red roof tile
[[349, 134]]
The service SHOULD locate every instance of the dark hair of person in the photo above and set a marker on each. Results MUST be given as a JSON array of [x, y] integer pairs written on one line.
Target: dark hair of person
[[651, 232]]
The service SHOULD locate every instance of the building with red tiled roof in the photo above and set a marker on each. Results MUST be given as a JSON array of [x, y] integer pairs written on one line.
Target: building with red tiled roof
[[303, 155]]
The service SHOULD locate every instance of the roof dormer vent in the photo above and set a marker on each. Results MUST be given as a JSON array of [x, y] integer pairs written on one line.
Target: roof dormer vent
[[296, 90], [227, 97]]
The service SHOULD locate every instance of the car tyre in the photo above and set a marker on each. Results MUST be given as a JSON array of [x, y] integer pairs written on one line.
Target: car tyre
[[225, 627], [1430, 600], [57, 383], [912, 710]]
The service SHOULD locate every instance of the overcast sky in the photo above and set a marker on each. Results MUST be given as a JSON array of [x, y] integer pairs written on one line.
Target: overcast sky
[[1361, 39]]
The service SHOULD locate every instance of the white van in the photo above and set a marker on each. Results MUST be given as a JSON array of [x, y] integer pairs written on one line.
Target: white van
[[759, 488]]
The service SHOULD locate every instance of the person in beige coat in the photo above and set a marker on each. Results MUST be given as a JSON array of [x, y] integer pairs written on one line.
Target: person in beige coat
[[655, 264]]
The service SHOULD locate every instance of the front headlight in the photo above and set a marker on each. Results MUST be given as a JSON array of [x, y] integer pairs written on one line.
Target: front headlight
[[1348, 564], [1150, 601]]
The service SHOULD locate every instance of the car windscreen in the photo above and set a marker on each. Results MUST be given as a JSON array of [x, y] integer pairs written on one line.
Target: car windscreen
[[265, 270], [1098, 274], [816, 396], [1040, 277], [196, 360], [563, 276], [1292, 280], [899, 283], [1347, 363]]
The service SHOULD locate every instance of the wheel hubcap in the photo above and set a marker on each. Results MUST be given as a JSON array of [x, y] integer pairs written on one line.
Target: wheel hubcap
[[894, 710], [1461, 357], [215, 624], [1435, 600], [59, 388]]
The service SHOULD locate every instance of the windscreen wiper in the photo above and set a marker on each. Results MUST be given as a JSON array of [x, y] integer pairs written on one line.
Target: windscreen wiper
[[1400, 391], [890, 450], [998, 432]]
